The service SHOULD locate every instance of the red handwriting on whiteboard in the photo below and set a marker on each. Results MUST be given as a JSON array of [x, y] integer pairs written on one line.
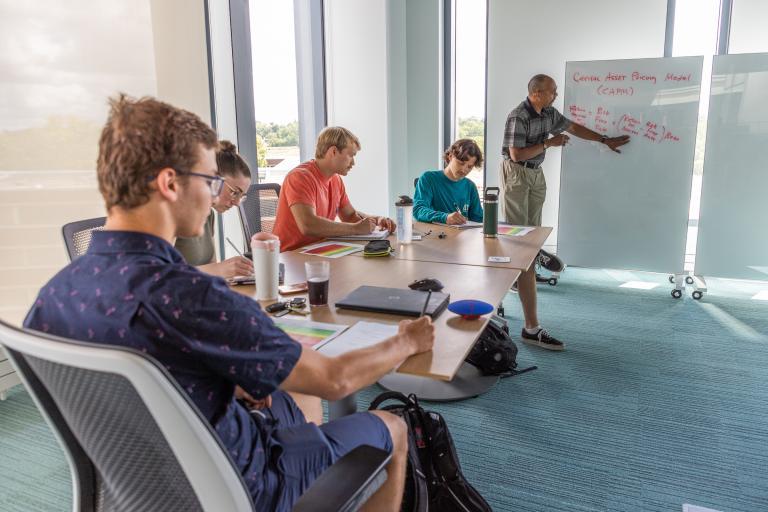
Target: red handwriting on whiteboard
[[604, 121], [578, 77], [605, 90], [577, 114], [671, 77], [639, 77], [614, 77], [602, 116], [628, 124], [651, 131]]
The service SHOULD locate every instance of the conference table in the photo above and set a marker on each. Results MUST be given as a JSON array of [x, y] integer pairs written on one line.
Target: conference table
[[459, 260]]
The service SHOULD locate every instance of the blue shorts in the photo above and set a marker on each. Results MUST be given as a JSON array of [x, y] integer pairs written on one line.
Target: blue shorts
[[308, 449]]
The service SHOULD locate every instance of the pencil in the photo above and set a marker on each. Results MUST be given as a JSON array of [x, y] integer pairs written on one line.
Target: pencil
[[234, 247], [426, 303]]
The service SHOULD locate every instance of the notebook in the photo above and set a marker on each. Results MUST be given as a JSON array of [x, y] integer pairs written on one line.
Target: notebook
[[466, 225], [397, 301], [373, 235]]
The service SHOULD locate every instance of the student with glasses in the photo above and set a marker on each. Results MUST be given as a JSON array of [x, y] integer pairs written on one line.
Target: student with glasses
[[228, 191]]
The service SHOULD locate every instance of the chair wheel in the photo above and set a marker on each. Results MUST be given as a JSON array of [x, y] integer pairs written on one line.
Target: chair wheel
[[672, 279], [689, 279], [697, 295], [552, 281], [677, 294]]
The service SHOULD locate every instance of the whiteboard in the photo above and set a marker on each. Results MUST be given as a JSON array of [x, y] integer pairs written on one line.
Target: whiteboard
[[629, 210], [733, 221]]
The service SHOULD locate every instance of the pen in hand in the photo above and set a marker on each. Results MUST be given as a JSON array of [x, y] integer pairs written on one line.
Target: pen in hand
[[426, 303], [234, 247]]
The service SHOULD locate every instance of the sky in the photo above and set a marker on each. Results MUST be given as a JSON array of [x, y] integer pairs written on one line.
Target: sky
[[274, 61], [65, 58]]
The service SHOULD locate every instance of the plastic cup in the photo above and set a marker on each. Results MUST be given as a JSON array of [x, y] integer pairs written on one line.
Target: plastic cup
[[318, 277]]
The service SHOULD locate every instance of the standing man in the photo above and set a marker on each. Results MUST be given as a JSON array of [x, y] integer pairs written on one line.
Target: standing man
[[313, 195], [526, 139]]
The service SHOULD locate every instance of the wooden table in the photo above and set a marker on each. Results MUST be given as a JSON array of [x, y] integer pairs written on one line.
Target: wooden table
[[470, 247], [454, 335]]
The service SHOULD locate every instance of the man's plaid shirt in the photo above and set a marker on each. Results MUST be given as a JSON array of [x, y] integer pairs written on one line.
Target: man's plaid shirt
[[526, 128]]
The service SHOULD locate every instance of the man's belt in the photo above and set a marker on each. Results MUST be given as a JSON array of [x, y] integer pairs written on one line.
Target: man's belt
[[530, 165]]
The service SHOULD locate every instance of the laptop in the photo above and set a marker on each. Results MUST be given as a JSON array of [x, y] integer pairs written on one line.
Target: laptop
[[397, 301]]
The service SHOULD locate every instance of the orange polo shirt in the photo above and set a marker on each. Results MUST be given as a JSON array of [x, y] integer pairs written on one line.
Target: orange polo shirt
[[307, 185]]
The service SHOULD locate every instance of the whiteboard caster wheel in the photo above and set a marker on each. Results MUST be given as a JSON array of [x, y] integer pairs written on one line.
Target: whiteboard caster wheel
[[672, 279], [677, 294], [552, 281], [689, 280], [697, 295]]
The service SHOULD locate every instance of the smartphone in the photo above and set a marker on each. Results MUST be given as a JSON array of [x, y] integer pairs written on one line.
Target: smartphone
[[241, 280], [288, 289]]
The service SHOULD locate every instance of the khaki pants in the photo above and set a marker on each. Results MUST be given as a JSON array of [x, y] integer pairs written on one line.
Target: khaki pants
[[524, 191]]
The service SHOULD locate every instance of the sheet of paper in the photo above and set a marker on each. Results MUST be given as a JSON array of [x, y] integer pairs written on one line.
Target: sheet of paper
[[331, 249], [515, 230], [310, 334], [362, 334], [498, 259], [416, 238], [377, 234], [466, 225]]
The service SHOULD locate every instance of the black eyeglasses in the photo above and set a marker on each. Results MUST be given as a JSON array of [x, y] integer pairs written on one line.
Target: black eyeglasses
[[215, 183]]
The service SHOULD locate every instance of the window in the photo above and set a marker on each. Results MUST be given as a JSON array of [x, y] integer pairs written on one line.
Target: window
[[274, 88], [60, 61], [470, 36], [695, 33]]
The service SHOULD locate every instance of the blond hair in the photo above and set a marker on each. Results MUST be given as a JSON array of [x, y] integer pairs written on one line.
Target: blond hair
[[335, 136]]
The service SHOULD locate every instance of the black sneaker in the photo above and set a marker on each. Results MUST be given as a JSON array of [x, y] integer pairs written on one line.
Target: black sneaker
[[543, 340], [550, 261]]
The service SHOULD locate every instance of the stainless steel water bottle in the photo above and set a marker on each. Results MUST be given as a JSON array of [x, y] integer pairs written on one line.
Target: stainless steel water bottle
[[491, 212]]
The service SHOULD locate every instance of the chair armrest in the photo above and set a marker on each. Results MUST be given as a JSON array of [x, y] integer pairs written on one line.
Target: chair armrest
[[348, 483]]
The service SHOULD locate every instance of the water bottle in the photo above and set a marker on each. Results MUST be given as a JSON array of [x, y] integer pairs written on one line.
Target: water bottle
[[404, 220], [266, 265], [491, 212]]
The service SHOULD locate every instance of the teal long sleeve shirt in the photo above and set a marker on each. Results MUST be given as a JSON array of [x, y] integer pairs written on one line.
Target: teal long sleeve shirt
[[437, 196]]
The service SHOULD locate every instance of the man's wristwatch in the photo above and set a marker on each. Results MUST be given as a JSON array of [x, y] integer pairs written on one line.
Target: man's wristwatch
[[603, 139]]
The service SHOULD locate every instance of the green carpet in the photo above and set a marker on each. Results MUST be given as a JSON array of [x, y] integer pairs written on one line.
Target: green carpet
[[656, 402]]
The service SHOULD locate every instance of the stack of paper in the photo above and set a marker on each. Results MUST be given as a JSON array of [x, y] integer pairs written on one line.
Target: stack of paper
[[466, 225], [377, 234], [361, 335]]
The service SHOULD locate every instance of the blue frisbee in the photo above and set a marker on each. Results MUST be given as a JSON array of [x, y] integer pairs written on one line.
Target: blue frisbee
[[470, 309]]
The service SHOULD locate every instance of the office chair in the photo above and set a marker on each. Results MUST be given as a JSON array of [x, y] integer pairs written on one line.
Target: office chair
[[258, 210], [134, 440], [77, 235]]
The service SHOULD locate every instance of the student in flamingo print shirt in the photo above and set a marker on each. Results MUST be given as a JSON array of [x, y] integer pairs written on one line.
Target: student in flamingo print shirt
[[157, 172]]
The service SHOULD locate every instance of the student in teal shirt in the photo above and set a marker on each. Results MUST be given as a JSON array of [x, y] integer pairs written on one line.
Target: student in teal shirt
[[448, 196]]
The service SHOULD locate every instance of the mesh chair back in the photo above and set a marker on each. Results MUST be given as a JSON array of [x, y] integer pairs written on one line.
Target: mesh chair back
[[259, 210], [77, 235], [108, 414]]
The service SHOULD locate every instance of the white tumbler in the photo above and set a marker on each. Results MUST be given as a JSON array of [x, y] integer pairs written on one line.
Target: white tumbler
[[404, 210], [266, 263]]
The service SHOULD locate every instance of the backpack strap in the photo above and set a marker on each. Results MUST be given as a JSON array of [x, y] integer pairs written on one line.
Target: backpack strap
[[390, 395]]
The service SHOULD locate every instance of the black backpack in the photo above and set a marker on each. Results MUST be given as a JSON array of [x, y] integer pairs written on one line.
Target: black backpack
[[434, 481], [495, 353]]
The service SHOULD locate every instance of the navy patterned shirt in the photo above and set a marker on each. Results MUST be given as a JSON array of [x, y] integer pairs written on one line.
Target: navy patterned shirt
[[135, 290]]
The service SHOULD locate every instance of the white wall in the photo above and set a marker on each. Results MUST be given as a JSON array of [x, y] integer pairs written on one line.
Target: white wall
[[357, 93], [181, 61], [526, 38]]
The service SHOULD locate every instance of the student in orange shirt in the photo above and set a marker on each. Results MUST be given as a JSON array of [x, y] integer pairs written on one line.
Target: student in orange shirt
[[313, 196]]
